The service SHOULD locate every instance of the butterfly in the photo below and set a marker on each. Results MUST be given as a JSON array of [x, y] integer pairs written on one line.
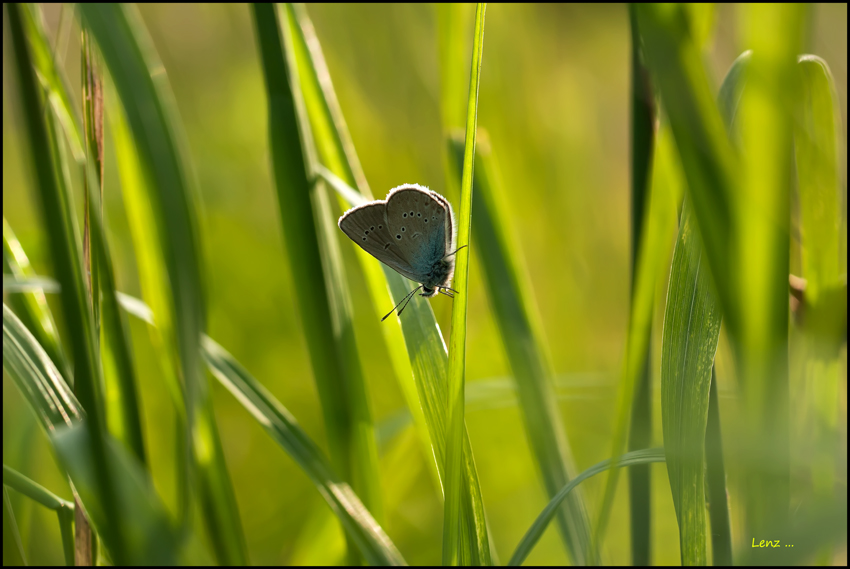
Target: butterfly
[[412, 232]]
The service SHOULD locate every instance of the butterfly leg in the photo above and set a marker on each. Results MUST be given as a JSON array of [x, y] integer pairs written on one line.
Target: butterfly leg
[[406, 297], [443, 292]]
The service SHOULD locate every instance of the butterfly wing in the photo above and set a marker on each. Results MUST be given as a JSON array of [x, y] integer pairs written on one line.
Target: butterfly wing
[[421, 223], [366, 225]]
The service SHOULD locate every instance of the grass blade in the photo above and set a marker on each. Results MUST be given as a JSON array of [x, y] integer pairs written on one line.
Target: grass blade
[[760, 257], [689, 341], [13, 547], [35, 491], [343, 172], [53, 80], [458, 543], [634, 458], [150, 539], [373, 543], [63, 238], [640, 430], [145, 96], [715, 476], [31, 306], [418, 346], [516, 313], [317, 271]]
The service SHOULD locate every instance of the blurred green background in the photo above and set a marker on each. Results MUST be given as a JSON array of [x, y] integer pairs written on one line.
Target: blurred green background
[[554, 97]]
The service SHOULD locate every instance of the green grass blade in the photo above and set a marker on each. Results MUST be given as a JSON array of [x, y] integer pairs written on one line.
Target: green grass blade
[[31, 306], [453, 19], [457, 543], [417, 345], [13, 546], [36, 375], [510, 294], [689, 341], [151, 538], [760, 256], [310, 238], [818, 162], [372, 541], [634, 458], [343, 172], [715, 476], [147, 536], [667, 188], [63, 239], [53, 80], [35, 491], [707, 156], [742, 209], [66, 529], [146, 99], [640, 429]]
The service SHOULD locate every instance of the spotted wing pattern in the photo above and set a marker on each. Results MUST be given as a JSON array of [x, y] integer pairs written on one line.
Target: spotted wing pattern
[[420, 221], [366, 225]]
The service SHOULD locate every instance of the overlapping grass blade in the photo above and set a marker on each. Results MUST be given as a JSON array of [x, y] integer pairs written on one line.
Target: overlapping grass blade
[[31, 305], [823, 249], [53, 80], [511, 296], [149, 538], [64, 239], [309, 235], [372, 541], [145, 96], [13, 546], [715, 482], [760, 255], [423, 349], [741, 207], [652, 255], [458, 541], [634, 458], [64, 509], [640, 430], [689, 341], [343, 172]]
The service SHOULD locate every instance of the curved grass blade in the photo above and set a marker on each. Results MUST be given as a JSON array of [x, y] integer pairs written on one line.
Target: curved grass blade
[[31, 306], [374, 544], [343, 172], [513, 303], [150, 538], [35, 491], [634, 458], [53, 80], [715, 476], [146, 98], [372, 541], [418, 346], [317, 271], [457, 541], [64, 510], [147, 537], [640, 430], [63, 239], [667, 188], [689, 341], [818, 154], [13, 546], [760, 255]]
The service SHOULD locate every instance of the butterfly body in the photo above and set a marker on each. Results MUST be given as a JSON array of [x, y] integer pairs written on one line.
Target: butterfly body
[[412, 232]]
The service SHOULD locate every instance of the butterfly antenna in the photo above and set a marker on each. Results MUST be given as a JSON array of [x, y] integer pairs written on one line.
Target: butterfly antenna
[[455, 251], [407, 296]]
